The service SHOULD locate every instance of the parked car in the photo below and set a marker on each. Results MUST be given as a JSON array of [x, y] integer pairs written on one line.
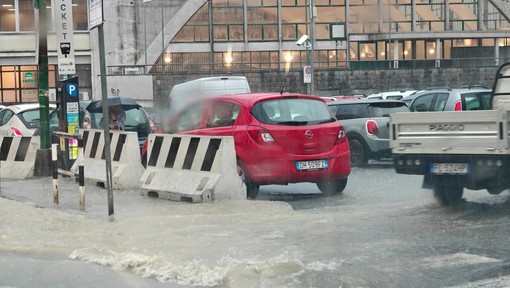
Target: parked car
[[392, 95], [279, 139], [21, 119], [366, 123], [448, 99], [137, 120]]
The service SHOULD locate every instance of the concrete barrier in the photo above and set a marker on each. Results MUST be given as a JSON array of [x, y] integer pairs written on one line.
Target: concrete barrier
[[17, 156], [125, 153], [191, 168]]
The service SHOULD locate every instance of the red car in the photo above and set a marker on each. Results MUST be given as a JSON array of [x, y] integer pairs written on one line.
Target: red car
[[279, 139]]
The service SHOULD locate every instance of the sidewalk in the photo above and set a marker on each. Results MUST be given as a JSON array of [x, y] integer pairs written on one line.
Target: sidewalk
[[39, 192]]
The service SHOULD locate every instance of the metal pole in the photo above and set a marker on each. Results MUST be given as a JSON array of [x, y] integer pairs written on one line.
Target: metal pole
[[162, 32], [307, 46], [81, 174], [312, 44], [106, 120], [145, 38], [54, 148], [44, 111]]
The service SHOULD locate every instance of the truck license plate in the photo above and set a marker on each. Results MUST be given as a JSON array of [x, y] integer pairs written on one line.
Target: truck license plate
[[311, 165], [449, 168]]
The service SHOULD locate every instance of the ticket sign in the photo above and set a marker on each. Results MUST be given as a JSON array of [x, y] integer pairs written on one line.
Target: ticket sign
[[65, 37]]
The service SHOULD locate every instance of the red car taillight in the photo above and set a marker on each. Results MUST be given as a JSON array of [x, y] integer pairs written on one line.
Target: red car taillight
[[372, 128], [458, 106], [259, 135], [16, 132], [341, 136]]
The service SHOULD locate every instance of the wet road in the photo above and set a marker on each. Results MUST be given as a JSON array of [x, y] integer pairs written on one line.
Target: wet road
[[384, 231]]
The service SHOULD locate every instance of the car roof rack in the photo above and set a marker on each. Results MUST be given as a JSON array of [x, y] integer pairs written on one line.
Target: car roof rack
[[473, 86], [439, 88]]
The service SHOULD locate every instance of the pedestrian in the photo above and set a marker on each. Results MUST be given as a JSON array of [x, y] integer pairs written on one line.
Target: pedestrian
[[117, 117]]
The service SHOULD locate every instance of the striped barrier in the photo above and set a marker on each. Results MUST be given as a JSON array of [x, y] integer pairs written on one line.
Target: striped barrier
[[191, 169], [125, 155], [17, 156]]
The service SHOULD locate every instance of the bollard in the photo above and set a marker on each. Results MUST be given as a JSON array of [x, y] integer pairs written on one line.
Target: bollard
[[54, 149], [81, 174], [81, 169]]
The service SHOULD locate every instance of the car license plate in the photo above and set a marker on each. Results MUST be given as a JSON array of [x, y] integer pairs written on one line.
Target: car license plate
[[311, 165], [449, 168]]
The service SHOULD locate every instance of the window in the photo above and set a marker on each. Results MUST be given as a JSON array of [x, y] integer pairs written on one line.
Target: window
[[7, 16], [5, 116], [223, 114], [190, 119], [292, 112], [351, 111], [384, 109], [476, 101], [423, 103], [440, 101]]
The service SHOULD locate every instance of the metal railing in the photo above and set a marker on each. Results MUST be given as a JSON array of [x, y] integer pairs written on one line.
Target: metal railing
[[319, 65]]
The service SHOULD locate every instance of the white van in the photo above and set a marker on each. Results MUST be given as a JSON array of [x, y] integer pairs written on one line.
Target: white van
[[186, 92]]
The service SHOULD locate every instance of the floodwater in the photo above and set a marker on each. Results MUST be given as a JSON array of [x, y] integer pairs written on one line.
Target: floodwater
[[228, 244], [384, 231]]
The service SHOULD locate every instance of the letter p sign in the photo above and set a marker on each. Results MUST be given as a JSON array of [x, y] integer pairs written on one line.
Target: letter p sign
[[72, 89]]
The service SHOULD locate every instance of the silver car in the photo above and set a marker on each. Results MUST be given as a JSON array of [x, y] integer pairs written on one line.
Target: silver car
[[449, 100], [366, 123]]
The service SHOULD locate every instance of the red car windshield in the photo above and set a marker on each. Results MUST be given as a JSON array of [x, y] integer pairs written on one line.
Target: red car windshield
[[292, 111]]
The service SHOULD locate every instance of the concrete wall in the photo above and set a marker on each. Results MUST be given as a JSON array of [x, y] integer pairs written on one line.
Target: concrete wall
[[335, 82]]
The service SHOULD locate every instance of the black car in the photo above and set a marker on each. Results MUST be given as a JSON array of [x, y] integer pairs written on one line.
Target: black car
[[136, 121]]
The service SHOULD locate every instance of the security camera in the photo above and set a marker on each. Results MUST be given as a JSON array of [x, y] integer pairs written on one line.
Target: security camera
[[302, 40]]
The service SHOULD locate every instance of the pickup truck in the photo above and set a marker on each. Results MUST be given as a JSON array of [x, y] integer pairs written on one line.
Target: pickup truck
[[457, 150]]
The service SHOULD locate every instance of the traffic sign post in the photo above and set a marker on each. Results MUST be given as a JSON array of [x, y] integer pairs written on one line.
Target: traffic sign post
[[69, 119], [96, 20]]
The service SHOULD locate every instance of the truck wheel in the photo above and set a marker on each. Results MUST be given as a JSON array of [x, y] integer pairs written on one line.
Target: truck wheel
[[252, 189], [448, 192], [359, 157], [330, 187]]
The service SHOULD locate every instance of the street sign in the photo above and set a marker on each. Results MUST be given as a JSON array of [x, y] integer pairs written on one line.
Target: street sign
[[96, 13], [307, 74], [65, 37]]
